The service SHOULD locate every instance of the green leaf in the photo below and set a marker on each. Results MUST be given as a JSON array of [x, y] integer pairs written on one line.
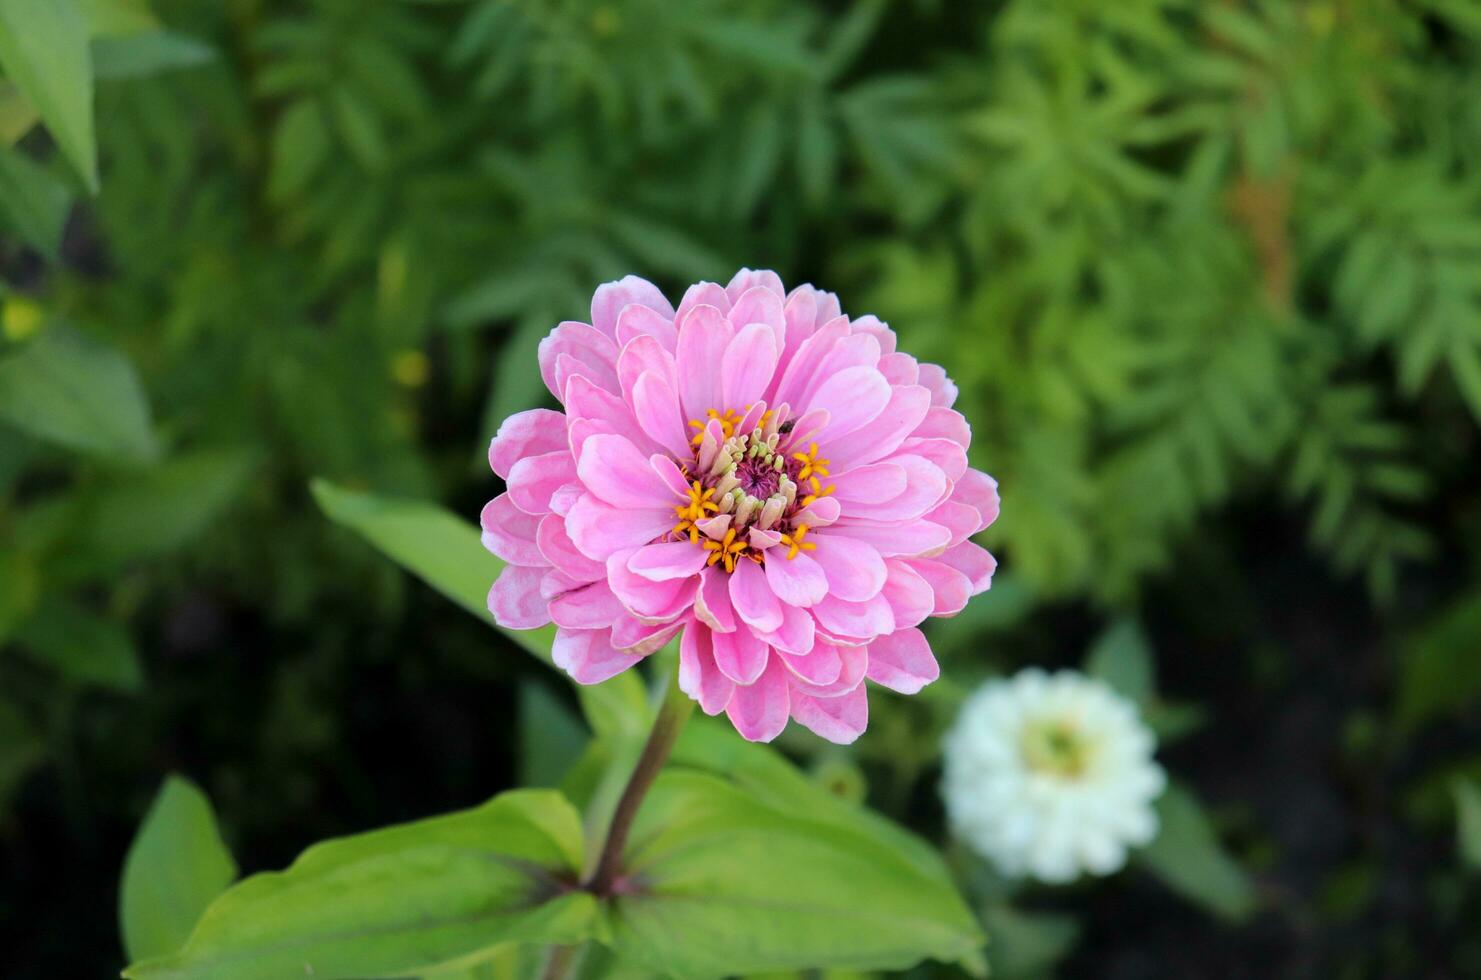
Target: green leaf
[[1468, 822], [1440, 673], [21, 750], [44, 51], [33, 204], [1027, 944], [300, 147], [551, 737], [177, 864], [1122, 658], [71, 390], [81, 646], [111, 18], [162, 508], [401, 900], [445, 552], [139, 55], [725, 884], [1189, 859]]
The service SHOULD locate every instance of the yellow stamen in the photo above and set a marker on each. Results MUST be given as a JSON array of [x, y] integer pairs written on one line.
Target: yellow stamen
[[794, 542], [728, 422], [726, 550], [811, 464]]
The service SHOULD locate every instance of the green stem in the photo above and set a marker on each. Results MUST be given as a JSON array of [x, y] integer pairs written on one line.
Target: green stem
[[672, 715]]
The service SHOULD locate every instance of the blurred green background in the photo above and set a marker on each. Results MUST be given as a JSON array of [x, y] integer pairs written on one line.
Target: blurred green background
[[1208, 275]]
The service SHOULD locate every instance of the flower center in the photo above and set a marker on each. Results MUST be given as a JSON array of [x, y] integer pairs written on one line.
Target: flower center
[[741, 481], [1055, 747]]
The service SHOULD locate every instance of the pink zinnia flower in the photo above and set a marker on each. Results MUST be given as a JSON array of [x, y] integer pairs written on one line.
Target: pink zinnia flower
[[756, 471]]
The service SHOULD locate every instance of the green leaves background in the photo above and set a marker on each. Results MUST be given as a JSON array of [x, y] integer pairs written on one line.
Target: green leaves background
[[1203, 271]]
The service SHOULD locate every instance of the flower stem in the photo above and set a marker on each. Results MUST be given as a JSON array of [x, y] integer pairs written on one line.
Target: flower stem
[[672, 715]]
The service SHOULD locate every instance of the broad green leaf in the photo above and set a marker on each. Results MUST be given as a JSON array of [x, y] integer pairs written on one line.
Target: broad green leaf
[[114, 18], [1122, 658], [445, 552], [1189, 859], [21, 750], [300, 146], [551, 737], [81, 646], [159, 509], [44, 51], [17, 114], [428, 895], [149, 53], [1468, 822], [765, 774], [177, 864], [33, 204], [726, 884], [67, 388], [1027, 944], [1439, 670]]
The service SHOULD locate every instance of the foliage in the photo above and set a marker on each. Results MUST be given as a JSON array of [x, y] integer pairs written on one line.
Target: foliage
[[1205, 274]]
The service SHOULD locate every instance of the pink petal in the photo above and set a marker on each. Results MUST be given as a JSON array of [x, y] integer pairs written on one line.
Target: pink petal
[[872, 484], [703, 336], [592, 411], [515, 598], [703, 294], [973, 561], [638, 638], [557, 548], [943, 391], [855, 620], [740, 655], [589, 353], [748, 279], [753, 599], [637, 320], [911, 539], [712, 602], [668, 560], [535, 479], [851, 398], [747, 365], [656, 406], [840, 719], [902, 661], [668, 471], [590, 607], [618, 474], [599, 531], [797, 581], [798, 377], [951, 588], [797, 634], [885, 433], [979, 491], [760, 305], [855, 660], [610, 298], [925, 487], [960, 519], [820, 666], [943, 423], [510, 533], [699, 677], [899, 368], [880, 331], [854, 569], [645, 354], [910, 596], [588, 655], [948, 456], [759, 711], [532, 433], [650, 601]]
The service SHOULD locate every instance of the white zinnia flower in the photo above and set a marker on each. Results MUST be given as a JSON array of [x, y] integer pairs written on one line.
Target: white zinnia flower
[[1051, 776]]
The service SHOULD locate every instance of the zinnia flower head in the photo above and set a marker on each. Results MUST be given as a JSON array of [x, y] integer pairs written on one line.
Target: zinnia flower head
[[1051, 775], [756, 471]]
